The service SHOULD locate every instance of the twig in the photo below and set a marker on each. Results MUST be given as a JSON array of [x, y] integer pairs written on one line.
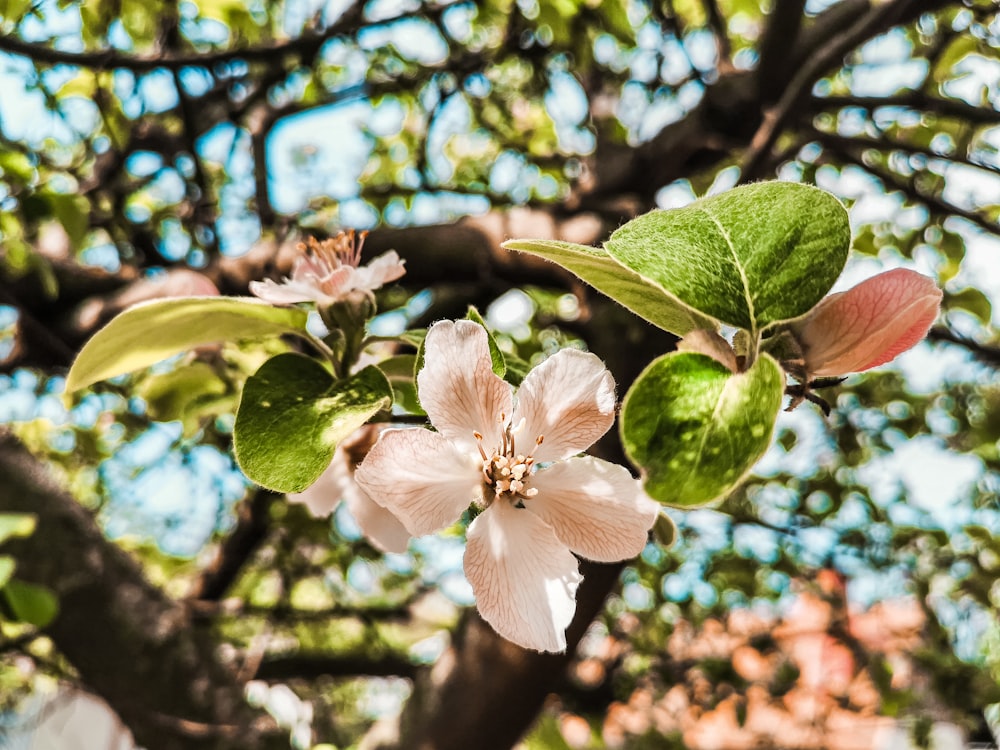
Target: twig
[[879, 17]]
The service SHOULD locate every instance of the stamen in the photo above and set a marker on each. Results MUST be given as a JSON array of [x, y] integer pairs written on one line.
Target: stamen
[[506, 471]]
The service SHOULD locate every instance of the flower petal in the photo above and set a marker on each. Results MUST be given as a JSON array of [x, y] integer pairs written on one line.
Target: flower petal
[[524, 579], [595, 508], [381, 270], [338, 282], [457, 386], [570, 400], [323, 496], [382, 528], [420, 478], [870, 324], [286, 293]]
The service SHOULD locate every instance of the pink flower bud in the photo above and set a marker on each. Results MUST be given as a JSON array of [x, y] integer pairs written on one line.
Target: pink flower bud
[[868, 325]]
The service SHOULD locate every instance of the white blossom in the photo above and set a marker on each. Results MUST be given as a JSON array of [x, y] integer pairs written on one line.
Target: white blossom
[[329, 271], [518, 464]]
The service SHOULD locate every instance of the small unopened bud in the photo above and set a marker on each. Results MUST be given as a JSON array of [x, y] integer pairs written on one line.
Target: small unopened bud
[[868, 325], [350, 313]]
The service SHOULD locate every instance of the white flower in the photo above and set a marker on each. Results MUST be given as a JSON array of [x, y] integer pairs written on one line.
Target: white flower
[[540, 502], [328, 271], [337, 484]]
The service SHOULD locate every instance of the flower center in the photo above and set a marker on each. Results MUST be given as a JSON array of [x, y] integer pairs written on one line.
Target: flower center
[[342, 250], [506, 471]]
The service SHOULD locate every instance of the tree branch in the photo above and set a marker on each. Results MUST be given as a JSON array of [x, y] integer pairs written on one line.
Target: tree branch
[[251, 529], [918, 100], [717, 22], [985, 353], [110, 59], [307, 666], [908, 188], [877, 19], [783, 24], [128, 641]]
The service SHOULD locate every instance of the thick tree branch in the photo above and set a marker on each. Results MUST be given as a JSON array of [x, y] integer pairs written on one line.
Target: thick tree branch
[[511, 684], [130, 643]]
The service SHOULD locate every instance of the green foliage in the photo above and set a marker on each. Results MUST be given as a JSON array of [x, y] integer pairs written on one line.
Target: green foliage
[[24, 602], [606, 275], [695, 428], [152, 331], [35, 605], [496, 356], [16, 525], [292, 415], [749, 257], [399, 370]]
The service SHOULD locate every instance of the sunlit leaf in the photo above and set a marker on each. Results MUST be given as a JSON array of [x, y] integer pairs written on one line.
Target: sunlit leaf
[[748, 257], [496, 356], [606, 275], [292, 415], [695, 429], [7, 566], [153, 331]]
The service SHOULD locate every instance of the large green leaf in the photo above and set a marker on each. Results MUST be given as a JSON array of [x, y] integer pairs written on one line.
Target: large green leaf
[[695, 428], [151, 331], [292, 415], [748, 257], [621, 284]]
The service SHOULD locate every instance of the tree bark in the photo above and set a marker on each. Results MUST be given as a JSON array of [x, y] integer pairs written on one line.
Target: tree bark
[[128, 642]]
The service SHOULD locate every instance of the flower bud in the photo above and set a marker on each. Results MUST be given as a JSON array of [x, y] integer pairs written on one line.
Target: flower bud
[[869, 324]]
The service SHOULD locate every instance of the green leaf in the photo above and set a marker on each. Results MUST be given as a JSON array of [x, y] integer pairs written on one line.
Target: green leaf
[[517, 369], [496, 356], [152, 331], [293, 414], [596, 267], [749, 257], [399, 371], [973, 301], [665, 530], [73, 212], [16, 524], [7, 566], [33, 604], [696, 429], [171, 395], [14, 10]]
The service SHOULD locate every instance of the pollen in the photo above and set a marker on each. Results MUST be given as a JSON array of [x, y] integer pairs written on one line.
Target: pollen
[[506, 472], [342, 250]]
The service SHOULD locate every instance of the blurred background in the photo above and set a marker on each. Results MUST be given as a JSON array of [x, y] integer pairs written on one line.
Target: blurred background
[[844, 598]]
